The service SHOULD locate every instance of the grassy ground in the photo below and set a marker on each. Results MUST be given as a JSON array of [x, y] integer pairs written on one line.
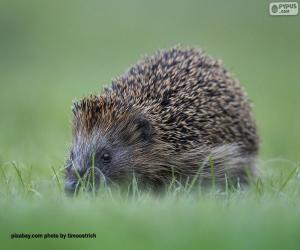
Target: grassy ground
[[54, 51], [265, 216]]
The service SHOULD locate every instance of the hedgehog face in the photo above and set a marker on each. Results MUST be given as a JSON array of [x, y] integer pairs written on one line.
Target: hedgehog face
[[100, 160], [106, 154]]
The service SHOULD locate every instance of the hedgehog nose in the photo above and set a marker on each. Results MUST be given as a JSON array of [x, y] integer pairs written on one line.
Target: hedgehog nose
[[70, 187]]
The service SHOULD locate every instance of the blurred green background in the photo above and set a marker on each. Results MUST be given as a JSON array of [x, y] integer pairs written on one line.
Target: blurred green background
[[53, 52]]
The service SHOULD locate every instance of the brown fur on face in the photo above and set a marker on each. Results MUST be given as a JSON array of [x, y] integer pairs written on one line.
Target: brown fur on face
[[169, 112]]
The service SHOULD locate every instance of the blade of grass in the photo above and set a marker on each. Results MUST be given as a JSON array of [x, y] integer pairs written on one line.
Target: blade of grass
[[93, 175], [195, 178], [34, 191], [80, 182], [5, 178], [173, 180], [57, 180], [19, 174], [226, 186], [291, 174], [135, 189], [259, 187], [212, 170], [4, 175]]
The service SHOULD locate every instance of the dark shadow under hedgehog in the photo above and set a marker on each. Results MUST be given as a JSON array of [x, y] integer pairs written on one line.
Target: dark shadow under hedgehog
[[171, 114]]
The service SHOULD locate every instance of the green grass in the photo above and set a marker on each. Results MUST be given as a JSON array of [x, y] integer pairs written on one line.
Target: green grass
[[263, 216], [52, 52]]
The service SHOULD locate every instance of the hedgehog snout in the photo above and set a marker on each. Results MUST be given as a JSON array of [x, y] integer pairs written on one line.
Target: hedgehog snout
[[87, 179], [71, 186]]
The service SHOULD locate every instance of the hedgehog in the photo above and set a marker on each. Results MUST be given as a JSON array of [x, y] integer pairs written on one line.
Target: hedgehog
[[176, 114]]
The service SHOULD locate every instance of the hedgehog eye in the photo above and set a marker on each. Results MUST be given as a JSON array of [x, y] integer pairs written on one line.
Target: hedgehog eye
[[106, 158]]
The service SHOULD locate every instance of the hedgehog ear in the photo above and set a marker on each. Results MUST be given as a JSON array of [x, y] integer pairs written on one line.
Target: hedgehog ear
[[144, 128]]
